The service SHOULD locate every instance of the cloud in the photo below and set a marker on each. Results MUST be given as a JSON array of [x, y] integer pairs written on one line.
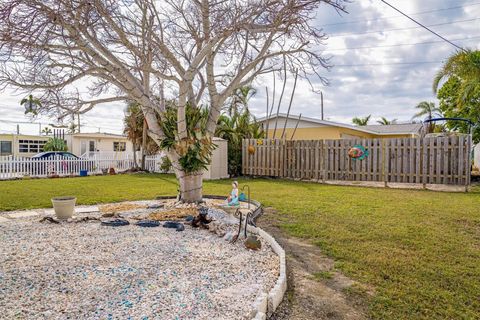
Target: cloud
[[375, 80], [362, 81]]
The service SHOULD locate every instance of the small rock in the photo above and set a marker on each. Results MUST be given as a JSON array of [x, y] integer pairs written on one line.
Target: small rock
[[156, 206], [108, 214], [49, 219], [148, 223], [253, 243], [228, 236], [174, 225]]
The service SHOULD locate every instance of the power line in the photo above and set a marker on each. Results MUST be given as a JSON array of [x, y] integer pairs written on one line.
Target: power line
[[423, 26], [409, 28], [399, 44], [398, 16], [14, 122], [22, 122], [386, 64]]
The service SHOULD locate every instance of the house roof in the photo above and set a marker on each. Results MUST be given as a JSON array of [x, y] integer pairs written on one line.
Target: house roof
[[392, 129], [97, 135], [400, 128]]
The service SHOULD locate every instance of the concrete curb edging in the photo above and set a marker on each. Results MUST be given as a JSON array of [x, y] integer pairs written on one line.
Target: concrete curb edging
[[266, 303]]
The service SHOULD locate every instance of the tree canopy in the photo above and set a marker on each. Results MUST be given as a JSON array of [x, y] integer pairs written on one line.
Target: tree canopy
[[55, 144], [195, 52], [457, 86], [448, 97], [361, 121], [384, 121]]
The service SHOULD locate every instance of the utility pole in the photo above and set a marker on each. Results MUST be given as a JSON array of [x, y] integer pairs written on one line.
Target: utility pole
[[78, 114], [321, 102]]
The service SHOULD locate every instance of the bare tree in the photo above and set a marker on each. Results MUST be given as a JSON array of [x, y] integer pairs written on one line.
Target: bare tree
[[76, 54]]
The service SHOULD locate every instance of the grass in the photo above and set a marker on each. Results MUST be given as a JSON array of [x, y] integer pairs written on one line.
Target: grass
[[323, 275], [419, 251]]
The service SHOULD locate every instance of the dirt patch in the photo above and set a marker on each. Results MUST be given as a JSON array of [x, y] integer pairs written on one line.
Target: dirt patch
[[316, 290], [173, 214]]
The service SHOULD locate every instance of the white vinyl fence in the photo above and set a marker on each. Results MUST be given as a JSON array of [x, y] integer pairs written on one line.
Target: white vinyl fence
[[153, 163], [18, 167], [112, 155]]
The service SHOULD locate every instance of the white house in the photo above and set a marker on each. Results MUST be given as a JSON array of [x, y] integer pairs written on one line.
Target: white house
[[22, 145], [82, 144]]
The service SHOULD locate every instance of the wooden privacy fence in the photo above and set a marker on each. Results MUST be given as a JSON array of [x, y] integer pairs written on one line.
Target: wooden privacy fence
[[436, 160]]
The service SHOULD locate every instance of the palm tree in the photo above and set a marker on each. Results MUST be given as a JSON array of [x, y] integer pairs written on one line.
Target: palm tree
[[133, 126], [384, 121], [240, 98], [47, 131], [465, 66], [358, 121], [234, 128], [31, 104], [55, 144], [72, 128], [430, 111]]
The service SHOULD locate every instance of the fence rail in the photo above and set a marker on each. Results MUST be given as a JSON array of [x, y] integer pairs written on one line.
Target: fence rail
[[18, 167], [435, 160]]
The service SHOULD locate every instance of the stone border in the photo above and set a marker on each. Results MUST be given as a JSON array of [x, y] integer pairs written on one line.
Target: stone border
[[266, 304]]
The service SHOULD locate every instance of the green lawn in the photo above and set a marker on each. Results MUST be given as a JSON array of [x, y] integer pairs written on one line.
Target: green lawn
[[419, 251]]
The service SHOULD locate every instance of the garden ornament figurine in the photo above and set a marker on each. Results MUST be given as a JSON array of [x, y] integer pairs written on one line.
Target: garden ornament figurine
[[201, 220], [232, 199]]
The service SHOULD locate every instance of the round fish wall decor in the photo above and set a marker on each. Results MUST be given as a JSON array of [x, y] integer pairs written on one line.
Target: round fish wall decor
[[357, 152]]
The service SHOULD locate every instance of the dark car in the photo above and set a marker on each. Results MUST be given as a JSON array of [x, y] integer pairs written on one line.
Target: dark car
[[58, 163], [55, 154]]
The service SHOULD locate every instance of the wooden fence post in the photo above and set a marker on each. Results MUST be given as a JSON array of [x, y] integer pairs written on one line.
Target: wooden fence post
[[384, 162], [423, 168], [468, 164]]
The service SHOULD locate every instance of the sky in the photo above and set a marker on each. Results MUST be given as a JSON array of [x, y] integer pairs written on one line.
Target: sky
[[382, 64]]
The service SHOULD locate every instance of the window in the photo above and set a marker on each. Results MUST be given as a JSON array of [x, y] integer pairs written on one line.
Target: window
[[5, 148], [30, 146], [119, 146], [91, 146]]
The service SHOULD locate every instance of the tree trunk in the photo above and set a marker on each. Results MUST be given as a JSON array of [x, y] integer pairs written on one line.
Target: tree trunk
[[144, 141], [135, 155], [190, 186]]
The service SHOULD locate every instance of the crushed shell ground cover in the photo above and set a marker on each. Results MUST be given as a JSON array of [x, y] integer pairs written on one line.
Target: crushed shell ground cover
[[87, 271]]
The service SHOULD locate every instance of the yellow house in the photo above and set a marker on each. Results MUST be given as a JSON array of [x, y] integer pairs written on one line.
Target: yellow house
[[316, 129], [78, 143]]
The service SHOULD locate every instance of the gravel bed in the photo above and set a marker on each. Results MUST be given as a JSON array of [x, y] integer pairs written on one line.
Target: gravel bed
[[88, 271]]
